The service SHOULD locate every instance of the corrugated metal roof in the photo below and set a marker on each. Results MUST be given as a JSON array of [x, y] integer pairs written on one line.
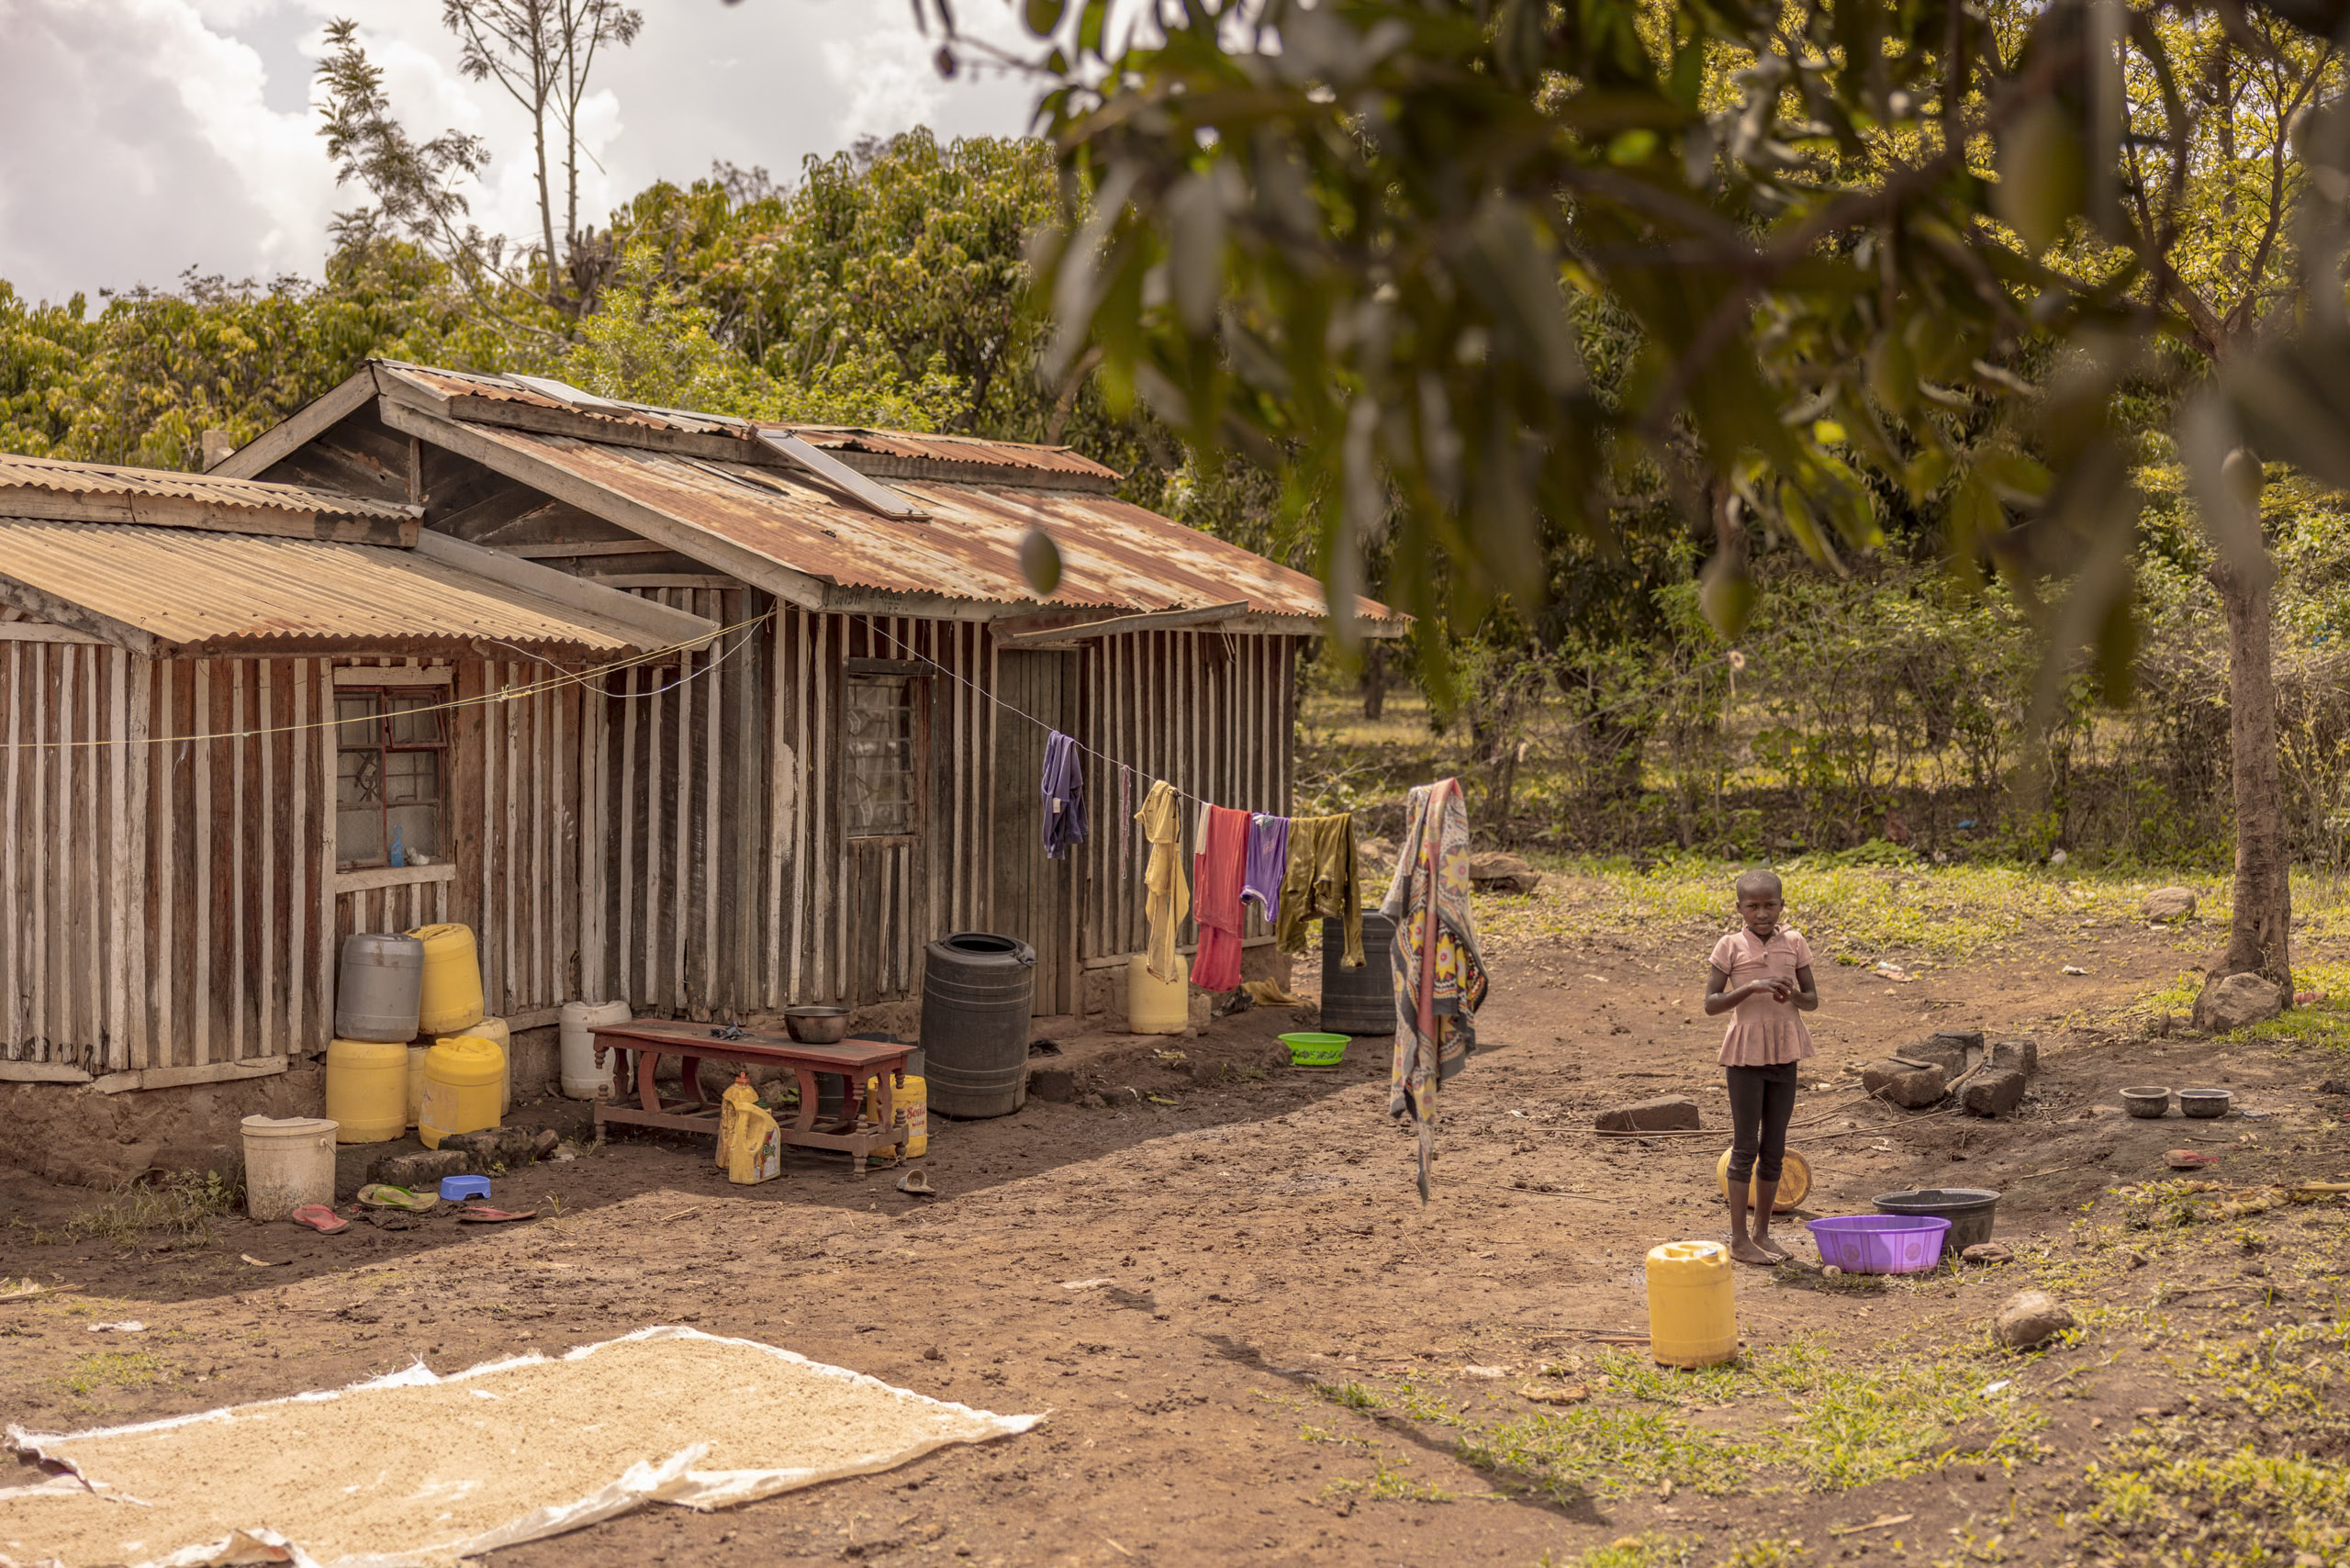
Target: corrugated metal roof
[[109, 479], [188, 588], [1114, 555], [1007, 455], [951, 449]]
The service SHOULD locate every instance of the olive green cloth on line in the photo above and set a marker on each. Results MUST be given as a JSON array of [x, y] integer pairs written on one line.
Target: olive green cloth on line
[[1165, 899], [1321, 880]]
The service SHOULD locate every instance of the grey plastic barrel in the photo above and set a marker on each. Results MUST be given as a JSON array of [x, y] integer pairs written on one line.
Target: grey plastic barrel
[[1359, 1001], [978, 992], [378, 987]]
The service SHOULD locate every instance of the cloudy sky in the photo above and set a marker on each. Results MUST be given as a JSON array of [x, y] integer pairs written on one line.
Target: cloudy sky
[[139, 137]]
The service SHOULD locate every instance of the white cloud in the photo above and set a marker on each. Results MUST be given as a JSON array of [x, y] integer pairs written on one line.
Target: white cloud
[[137, 136]]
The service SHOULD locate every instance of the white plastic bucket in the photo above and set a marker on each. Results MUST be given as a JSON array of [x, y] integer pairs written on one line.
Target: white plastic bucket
[[289, 1161], [582, 1078]]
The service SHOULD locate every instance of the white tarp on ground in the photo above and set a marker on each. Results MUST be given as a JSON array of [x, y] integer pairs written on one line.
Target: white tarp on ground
[[414, 1470]]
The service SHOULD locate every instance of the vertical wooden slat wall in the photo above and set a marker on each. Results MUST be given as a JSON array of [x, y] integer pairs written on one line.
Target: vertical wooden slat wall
[[1210, 713]]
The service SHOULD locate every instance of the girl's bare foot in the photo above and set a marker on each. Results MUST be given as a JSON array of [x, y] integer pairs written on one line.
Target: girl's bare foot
[[1742, 1248], [1778, 1253]]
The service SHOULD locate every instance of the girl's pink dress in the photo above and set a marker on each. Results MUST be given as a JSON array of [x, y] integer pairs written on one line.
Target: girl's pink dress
[[1763, 1030]]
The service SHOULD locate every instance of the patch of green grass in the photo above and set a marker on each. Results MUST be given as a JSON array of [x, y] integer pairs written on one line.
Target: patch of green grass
[[1347, 1396], [116, 1368], [1388, 1484], [1657, 1549], [1831, 1425], [1848, 909], [2154, 1505], [184, 1203]]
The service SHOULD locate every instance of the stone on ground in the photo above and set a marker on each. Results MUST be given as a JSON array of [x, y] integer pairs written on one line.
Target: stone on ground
[[1054, 1085], [1945, 1051], [2169, 903], [1495, 872], [1987, 1252], [1966, 1040], [1995, 1092], [2233, 1002], [420, 1172], [1912, 1088], [493, 1148], [2022, 1054], [1667, 1112], [2029, 1319]]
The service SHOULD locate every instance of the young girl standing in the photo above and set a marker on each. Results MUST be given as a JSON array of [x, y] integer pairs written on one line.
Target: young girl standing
[[1762, 970]]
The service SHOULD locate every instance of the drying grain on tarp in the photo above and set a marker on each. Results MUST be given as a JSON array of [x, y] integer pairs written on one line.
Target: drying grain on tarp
[[414, 1468]]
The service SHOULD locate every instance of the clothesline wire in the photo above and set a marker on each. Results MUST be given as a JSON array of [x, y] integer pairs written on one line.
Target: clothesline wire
[[1049, 729], [503, 694]]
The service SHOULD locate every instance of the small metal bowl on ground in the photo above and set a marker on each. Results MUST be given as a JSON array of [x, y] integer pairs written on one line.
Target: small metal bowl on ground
[[817, 1025], [2146, 1102], [2205, 1105]]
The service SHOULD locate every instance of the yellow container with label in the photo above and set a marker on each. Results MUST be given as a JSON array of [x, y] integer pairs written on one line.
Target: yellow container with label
[[750, 1149], [450, 1001], [1155, 1006], [461, 1079], [1693, 1320], [1795, 1182], [910, 1103], [366, 1090]]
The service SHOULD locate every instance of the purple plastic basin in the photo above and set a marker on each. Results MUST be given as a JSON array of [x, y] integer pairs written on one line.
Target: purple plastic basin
[[1880, 1243]]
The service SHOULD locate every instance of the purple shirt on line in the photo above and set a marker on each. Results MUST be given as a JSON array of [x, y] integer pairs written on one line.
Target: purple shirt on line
[[1064, 786], [1268, 863]]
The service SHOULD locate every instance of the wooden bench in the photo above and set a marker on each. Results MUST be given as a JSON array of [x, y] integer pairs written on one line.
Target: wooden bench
[[650, 1039]]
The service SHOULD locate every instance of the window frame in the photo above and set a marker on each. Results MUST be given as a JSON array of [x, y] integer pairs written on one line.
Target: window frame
[[438, 696], [916, 680]]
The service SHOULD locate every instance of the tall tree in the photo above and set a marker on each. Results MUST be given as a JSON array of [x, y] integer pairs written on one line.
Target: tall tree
[[2211, 178]]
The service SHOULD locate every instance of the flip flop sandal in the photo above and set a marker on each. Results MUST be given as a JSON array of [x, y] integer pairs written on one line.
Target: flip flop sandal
[[482, 1213], [321, 1218], [916, 1182], [381, 1195], [2188, 1160]]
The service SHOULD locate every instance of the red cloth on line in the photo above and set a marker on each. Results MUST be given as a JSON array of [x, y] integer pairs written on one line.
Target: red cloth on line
[[1220, 869]]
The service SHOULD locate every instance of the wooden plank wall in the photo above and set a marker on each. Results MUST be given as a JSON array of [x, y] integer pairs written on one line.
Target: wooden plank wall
[[524, 831], [71, 890], [1214, 715]]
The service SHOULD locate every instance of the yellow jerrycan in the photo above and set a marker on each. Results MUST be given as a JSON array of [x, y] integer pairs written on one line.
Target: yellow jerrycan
[[366, 1090], [1693, 1321], [461, 1079], [750, 1149], [450, 1003], [910, 1102]]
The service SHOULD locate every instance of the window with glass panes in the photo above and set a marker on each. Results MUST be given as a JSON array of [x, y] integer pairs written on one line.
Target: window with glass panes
[[882, 747], [391, 767]]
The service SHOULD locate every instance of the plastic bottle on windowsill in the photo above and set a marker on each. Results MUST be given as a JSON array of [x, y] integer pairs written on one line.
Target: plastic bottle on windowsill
[[399, 855]]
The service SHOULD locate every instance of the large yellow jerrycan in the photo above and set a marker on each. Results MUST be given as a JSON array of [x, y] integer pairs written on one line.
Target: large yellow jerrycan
[[366, 1090], [461, 1079], [450, 1000], [1693, 1322]]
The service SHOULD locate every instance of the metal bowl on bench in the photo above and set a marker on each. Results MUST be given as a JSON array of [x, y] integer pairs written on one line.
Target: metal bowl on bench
[[817, 1025]]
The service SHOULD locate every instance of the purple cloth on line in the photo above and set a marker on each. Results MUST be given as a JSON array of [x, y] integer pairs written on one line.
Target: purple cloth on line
[[1064, 786], [1268, 864]]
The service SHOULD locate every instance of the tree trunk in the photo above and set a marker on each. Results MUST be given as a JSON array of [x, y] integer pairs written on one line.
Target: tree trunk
[[1374, 680], [2260, 929]]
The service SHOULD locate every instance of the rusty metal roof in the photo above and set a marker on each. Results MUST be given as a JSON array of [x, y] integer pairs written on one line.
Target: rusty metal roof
[[19, 473], [1114, 555], [1005, 455], [189, 589]]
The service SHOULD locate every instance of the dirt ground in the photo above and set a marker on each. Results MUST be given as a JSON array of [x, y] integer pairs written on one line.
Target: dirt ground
[[1255, 1344]]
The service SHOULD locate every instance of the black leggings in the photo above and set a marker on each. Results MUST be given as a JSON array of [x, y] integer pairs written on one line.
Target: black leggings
[[1761, 1103]]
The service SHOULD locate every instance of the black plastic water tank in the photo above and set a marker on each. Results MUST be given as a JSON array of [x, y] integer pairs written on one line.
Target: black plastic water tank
[[978, 992], [1359, 1001]]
